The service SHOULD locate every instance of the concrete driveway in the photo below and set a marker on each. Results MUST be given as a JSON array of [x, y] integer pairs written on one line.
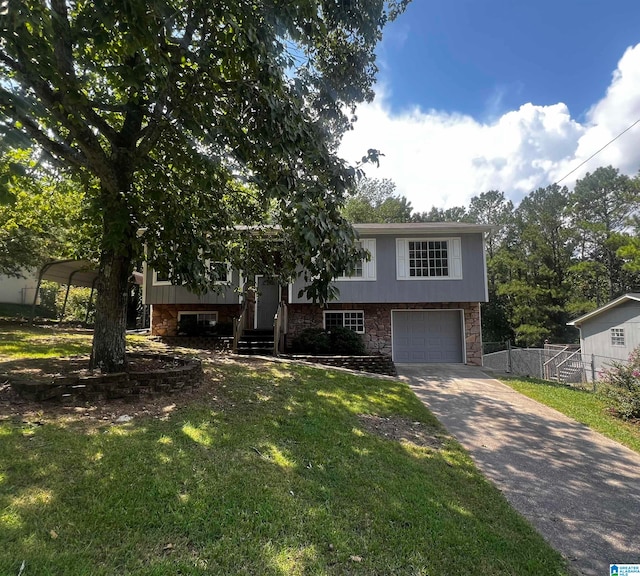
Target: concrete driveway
[[579, 489]]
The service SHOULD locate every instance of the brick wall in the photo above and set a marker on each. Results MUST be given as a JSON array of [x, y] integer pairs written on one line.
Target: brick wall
[[164, 317], [377, 323]]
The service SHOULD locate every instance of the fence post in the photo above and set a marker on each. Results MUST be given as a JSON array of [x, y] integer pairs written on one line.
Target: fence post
[[593, 371], [509, 356]]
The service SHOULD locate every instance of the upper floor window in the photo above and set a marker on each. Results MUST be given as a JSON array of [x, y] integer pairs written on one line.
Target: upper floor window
[[160, 279], [364, 269], [617, 336], [420, 258], [219, 272]]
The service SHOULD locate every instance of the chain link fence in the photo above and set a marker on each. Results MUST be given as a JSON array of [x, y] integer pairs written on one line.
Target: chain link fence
[[555, 362]]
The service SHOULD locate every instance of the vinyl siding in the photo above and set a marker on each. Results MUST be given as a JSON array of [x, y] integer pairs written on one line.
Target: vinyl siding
[[596, 333], [168, 294], [388, 288]]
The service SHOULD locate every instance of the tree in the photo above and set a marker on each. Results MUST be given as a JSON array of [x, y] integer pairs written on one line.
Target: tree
[[376, 201], [453, 214], [166, 105], [42, 216], [533, 269], [603, 204]]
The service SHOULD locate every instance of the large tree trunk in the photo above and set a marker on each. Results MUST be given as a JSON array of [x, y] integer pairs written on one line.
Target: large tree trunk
[[118, 239], [108, 353]]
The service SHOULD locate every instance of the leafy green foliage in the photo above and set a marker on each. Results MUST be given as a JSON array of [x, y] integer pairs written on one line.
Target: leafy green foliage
[[43, 219], [375, 201], [621, 386]]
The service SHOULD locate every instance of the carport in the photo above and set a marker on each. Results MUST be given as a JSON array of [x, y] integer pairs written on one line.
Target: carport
[[72, 273]]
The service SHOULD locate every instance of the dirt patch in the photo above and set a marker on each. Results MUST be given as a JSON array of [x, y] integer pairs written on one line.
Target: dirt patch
[[96, 411], [402, 429]]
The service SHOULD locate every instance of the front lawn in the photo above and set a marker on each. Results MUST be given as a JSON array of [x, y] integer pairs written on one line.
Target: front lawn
[[266, 469], [582, 405]]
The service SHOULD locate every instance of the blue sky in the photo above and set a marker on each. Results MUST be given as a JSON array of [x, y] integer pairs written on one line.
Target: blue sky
[[541, 84]]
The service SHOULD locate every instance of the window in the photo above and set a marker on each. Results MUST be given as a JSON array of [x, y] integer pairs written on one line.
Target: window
[[193, 323], [365, 269], [354, 320], [420, 259], [219, 272], [161, 279], [617, 336]]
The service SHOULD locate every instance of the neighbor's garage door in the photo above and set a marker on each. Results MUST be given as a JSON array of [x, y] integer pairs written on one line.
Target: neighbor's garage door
[[427, 336]]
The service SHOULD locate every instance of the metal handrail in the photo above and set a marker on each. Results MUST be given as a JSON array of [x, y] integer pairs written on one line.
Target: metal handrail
[[567, 359], [545, 364]]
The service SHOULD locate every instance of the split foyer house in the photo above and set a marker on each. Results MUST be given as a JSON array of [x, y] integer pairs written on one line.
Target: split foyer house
[[417, 299]]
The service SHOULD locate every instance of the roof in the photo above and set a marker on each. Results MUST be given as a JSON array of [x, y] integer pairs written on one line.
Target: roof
[[632, 296], [75, 273], [429, 227]]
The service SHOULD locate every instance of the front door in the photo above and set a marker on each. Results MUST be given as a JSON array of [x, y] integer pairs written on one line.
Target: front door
[[267, 299]]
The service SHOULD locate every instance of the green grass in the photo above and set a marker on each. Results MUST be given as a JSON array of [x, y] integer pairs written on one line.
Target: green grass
[[24, 341], [269, 470], [581, 405]]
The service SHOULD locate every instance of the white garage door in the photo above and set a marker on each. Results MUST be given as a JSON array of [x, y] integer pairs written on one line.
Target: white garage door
[[427, 336]]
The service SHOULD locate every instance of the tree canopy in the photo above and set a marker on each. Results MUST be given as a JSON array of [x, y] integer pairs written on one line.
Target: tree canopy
[[187, 118]]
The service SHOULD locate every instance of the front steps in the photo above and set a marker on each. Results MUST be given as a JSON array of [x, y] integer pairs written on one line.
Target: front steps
[[259, 342]]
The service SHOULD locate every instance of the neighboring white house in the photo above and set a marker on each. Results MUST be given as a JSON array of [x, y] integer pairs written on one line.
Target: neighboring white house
[[18, 290], [610, 332]]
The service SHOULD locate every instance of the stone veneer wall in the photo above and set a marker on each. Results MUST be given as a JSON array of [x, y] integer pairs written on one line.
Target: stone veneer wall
[[164, 317], [377, 323]]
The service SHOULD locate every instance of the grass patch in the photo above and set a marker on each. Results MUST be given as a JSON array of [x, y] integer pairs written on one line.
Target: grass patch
[[270, 469], [582, 405], [17, 342]]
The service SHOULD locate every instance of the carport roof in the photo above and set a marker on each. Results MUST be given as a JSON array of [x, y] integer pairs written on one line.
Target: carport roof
[[75, 273]]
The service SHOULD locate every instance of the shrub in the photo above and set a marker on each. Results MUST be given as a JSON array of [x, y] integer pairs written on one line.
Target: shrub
[[339, 341], [346, 342], [621, 386], [312, 341]]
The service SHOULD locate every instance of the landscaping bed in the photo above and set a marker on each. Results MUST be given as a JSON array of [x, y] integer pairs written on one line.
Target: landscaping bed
[[65, 379]]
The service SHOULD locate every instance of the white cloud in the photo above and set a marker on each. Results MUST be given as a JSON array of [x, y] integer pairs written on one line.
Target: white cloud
[[441, 159]]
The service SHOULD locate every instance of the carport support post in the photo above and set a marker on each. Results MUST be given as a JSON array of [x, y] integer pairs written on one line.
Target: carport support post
[[593, 371], [508, 356], [64, 306]]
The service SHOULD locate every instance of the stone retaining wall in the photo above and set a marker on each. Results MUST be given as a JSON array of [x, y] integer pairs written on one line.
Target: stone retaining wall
[[119, 385], [373, 364]]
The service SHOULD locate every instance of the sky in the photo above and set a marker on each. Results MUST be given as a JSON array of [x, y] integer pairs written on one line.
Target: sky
[[477, 95]]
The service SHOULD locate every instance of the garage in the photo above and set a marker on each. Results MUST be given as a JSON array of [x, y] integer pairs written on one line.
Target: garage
[[427, 336]]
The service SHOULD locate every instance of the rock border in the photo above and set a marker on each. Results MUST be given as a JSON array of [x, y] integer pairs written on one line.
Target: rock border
[[129, 385], [372, 364]]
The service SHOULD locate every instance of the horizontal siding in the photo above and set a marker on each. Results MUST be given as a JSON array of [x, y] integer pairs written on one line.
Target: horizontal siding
[[386, 288], [596, 336], [182, 295]]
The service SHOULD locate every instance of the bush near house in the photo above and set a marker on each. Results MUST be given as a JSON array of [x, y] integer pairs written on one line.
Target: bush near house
[[621, 386], [338, 341]]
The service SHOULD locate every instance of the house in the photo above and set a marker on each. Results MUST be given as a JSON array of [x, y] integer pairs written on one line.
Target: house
[[611, 332], [417, 299]]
